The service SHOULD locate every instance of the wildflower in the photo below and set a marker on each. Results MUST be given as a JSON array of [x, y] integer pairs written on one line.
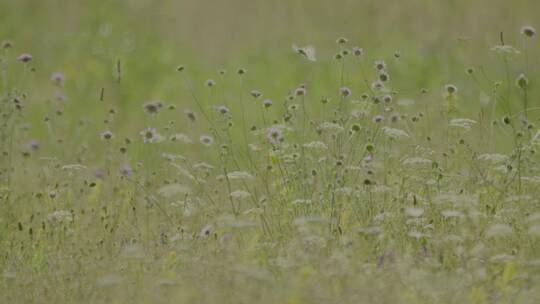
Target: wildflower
[[126, 170], [222, 109], [25, 58], [377, 85], [522, 81], [240, 194], [206, 140], [318, 145], [239, 175], [106, 135], [241, 71], [149, 135], [210, 83], [505, 50], [180, 137], [7, 44], [58, 78], [180, 68], [325, 100], [60, 216], [222, 72], [387, 98], [345, 92], [33, 144], [255, 93], [267, 103], [331, 127], [190, 115], [342, 40], [306, 51], [528, 31], [173, 189], [357, 51], [152, 107], [384, 76], [300, 91], [274, 135], [450, 89], [395, 133], [378, 118], [205, 231], [380, 65]]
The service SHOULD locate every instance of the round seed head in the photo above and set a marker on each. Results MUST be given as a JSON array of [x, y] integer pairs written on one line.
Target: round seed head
[[25, 58], [522, 81], [528, 31]]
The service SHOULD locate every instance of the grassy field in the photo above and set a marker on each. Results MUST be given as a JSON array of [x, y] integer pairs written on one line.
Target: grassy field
[[269, 151]]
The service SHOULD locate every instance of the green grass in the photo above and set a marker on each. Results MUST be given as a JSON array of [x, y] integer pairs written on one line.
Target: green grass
[[408, 193]]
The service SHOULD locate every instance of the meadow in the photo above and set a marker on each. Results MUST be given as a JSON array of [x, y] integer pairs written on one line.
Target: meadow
[[269, 151]]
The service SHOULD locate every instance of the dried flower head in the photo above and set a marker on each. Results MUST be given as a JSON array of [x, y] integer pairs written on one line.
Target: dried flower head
[[522, 81], [210, 83], [255, 93], [7, 44], [301, 91], [342, 40], [345, 92], [378, 118], [206, 140], [450, 89], [190, 115], [152, 107], [267, 103], [222, 109], [107, 135], [528, 31]]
